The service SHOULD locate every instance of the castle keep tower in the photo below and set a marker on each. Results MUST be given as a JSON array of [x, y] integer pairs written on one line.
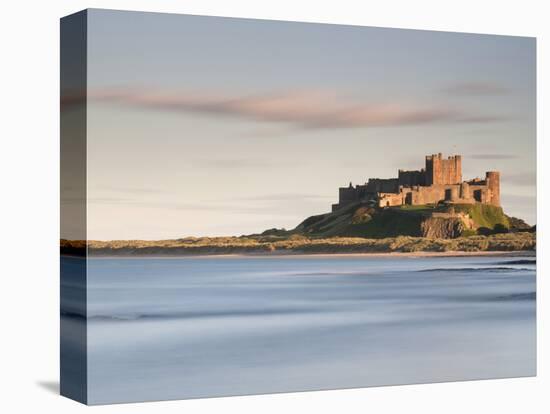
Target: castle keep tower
[[441, 171]]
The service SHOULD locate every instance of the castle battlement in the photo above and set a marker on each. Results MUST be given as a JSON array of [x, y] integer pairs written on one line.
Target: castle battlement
[[439, 181]]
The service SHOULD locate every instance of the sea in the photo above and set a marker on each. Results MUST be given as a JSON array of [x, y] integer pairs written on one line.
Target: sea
[[193, 327]]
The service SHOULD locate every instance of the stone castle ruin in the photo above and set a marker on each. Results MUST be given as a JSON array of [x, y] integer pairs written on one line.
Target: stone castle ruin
[[439, 181]]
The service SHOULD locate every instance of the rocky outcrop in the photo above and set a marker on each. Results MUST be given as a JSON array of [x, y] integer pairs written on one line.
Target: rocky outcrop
[[442, 228], [446, 225]]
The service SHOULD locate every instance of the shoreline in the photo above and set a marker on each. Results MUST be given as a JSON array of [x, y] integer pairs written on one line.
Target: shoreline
[[506, 244], [279, 255]]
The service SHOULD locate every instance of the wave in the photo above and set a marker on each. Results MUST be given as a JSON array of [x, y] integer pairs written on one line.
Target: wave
[[478, 269], [518, 262], [199, 315], [484, 298], [517, 296], [335, 273]]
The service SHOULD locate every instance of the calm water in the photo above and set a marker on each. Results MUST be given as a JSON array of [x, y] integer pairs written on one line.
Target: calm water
[[197, 327]]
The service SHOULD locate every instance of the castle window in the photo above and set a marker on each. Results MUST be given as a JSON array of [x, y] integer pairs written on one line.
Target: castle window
[[477, 195]]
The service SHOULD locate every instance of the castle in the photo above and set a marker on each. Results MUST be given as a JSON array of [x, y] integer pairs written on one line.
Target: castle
[[439, 181]]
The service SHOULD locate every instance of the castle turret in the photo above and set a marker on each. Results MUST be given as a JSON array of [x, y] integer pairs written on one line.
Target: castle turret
[[465, 191], [493, 185], [452, 194], [457, 177]]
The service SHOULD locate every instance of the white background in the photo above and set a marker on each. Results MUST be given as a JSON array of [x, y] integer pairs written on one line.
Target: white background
[[29, 223]]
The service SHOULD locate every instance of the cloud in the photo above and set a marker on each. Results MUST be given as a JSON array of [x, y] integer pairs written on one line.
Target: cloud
[[237, 163], [243, 206], [127, 190], [288, 197], [476, 89], [162, 204], [493, 156], [283, 204], [305, 109]]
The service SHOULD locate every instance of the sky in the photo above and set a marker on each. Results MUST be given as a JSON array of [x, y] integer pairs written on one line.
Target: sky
[[208, 126]]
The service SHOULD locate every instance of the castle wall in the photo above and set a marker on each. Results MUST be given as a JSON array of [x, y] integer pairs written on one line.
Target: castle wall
[[382, 185], [428, 195], [485, 191], [478, 192], [453, 193], [346, 196], [349, 195], [411, 178], [364, 193], [465, 191], [390, 199]]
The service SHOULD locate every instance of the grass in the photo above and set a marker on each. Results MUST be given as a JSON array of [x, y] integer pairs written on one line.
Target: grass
[[388, 223], [418, 208], [302, 244], [484, 215], [369, 222]]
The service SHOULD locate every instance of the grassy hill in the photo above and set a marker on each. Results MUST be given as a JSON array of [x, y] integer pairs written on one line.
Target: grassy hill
[[359, 220]]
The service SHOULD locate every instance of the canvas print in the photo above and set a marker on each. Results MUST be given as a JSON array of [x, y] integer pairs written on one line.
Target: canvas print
[[252, 206]]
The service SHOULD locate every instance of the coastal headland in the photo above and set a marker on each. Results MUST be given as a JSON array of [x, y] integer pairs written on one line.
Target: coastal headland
[[430, 210]]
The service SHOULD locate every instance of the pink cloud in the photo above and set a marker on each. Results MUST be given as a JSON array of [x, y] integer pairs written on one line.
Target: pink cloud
[[306, 109]]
